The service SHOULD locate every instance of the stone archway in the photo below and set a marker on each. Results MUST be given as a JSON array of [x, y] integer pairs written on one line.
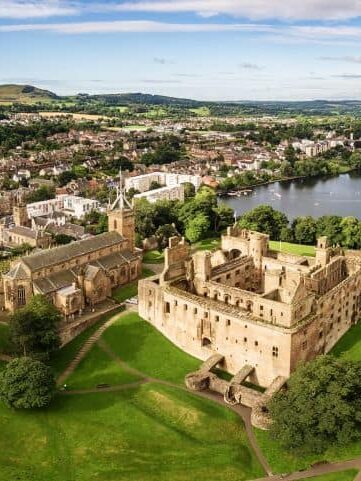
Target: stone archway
[[206, 342]]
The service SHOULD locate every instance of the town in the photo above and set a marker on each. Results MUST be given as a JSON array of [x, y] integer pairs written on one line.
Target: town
[[125, 233]]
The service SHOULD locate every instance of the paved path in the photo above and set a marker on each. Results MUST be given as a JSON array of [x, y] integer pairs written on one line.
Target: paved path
[[318, 471]]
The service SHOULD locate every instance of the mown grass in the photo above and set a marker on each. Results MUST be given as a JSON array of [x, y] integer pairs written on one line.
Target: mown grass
[[131, 289], [298, 249], [141, 346], [207, 244], [98, 368], [349, 346], [62, 358], [283, 461], [151, 433], [153, 257]]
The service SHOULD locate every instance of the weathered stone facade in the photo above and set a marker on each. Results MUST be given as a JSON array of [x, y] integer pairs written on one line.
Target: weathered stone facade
[[254, 306], [79, 274]]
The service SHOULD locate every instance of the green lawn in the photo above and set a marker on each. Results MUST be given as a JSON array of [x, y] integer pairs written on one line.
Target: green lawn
[[141, 346], [207, 244], [298, 249], [131, 289], [349, 346], [283, 461], [98, 368], [153, 257], [149, 433], [340, 476], [64, 356]]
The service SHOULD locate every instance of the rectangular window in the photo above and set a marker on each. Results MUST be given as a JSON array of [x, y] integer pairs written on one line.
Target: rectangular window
[[167, 308], [275, 351]]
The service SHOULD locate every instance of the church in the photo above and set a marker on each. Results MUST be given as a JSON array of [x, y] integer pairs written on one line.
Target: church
[[81, 274]]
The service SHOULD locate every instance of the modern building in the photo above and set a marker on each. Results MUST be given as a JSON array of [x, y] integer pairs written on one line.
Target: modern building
[[164, 193], [142, 183], [71, 205]]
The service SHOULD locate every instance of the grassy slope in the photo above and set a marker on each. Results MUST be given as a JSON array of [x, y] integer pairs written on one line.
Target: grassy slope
[[64, 356], [153, 257], [141, 346], [283, 461], [341, 476], [14, 93], [152, 433], [97, 368], [349, 346]]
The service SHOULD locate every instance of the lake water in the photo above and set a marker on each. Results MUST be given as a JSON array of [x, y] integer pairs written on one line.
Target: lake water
[[326, 196]]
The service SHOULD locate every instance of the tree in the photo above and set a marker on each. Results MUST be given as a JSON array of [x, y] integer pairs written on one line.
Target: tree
[[163, 233], [330, 226], [304, 229], [322, 405], [224, 216], [189, 190], [26, 383], [34, 329], [290, 155], [62, 239], [351, 232], [197, 228], [264, 219]]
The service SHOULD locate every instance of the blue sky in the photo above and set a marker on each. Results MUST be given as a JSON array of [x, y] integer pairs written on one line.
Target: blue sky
[[202, 49]]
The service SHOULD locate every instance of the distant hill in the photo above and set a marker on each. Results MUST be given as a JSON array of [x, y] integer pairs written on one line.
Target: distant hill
[[140, 98], [24, 94]]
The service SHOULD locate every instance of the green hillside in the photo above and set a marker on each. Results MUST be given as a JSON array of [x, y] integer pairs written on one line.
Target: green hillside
[[24, 94]]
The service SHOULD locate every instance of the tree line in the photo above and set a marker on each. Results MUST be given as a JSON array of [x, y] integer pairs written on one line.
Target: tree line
[[343, 231]]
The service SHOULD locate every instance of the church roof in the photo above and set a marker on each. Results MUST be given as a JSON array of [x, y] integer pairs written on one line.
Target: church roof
[[43, 259], [17, 272]]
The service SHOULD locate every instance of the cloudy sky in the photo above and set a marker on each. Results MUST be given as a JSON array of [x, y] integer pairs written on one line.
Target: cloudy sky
[[202, 49]]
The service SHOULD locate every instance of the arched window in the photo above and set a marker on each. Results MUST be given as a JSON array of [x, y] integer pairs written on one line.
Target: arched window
[[21, 296]]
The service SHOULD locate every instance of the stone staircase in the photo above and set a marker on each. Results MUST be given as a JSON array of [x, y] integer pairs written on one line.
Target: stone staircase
[[86, 347]]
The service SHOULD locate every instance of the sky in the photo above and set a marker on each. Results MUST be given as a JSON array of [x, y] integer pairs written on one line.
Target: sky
[[200, 49]]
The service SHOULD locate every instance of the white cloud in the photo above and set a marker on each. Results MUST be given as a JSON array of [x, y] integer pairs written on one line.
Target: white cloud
[[345, 58], [135, 26], [36, 8], [253, 9], [250, 66]]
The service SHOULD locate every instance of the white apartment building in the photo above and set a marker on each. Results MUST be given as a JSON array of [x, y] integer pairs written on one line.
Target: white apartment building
[[142, 183], [70, 205], [164, 193], [311, 148]]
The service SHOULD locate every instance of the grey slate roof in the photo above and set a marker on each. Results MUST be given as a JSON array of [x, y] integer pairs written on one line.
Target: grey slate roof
[[64, 253], [17, 272], [23, 231]]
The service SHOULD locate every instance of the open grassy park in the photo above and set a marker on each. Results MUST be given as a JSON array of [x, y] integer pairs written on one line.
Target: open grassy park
[[142, 433]]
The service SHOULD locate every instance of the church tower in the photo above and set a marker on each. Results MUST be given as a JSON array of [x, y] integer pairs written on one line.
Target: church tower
[[20, 213], [121, 218]]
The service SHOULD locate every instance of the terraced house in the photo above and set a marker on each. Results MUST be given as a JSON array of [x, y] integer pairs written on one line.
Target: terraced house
[[253, 306]]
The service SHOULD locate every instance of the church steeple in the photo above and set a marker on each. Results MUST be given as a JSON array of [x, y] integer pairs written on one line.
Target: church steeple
[[121, 218]]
